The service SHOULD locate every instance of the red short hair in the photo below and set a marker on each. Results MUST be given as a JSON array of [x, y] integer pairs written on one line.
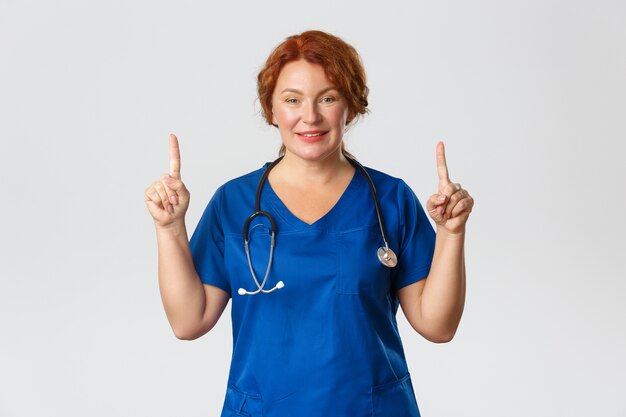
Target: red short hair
[[340, 61]]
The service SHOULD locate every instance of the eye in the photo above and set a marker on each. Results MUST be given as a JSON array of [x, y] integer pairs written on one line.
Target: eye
[[328, 99], [291, 100]]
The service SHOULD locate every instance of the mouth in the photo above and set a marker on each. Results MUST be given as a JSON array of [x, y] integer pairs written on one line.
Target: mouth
[[312, 135]]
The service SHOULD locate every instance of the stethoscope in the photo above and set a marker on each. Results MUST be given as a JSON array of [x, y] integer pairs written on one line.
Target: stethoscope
[[386, 256]]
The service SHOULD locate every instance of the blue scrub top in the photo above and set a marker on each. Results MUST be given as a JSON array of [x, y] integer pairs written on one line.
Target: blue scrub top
[[327, 344]]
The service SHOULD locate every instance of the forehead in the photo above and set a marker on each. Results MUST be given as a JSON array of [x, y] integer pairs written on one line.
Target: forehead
[[302, 75]]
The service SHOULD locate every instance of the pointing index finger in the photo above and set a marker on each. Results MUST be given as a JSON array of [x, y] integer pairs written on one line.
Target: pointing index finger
[[174, 157], [442, 167]]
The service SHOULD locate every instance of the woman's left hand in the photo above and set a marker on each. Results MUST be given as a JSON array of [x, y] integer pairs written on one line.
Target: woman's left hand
[[451, 207]]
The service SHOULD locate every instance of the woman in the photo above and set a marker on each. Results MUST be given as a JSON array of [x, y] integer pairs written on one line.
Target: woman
[[313, 306]]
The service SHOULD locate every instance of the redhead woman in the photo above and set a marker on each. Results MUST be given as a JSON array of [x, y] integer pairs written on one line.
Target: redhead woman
[[316, 251]]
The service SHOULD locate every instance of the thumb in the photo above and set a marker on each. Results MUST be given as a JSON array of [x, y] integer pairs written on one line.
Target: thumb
[[176, 184], [436, 206]]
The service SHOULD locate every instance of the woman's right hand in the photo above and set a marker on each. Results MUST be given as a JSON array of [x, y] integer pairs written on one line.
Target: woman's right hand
[[167, 198]]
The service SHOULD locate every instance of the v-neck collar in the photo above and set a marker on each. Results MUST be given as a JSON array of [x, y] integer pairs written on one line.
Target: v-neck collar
[[326, 221]]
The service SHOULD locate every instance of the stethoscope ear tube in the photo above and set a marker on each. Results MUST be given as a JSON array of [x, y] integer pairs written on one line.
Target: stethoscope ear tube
[[246, 228], [260, 287]]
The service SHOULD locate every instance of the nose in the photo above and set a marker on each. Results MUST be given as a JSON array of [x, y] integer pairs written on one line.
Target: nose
[[311, 113]]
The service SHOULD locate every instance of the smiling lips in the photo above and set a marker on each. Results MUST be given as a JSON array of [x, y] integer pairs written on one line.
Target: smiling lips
[[311, 136]]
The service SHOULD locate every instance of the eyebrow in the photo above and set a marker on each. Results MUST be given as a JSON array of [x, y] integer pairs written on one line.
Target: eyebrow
[[293, 90]]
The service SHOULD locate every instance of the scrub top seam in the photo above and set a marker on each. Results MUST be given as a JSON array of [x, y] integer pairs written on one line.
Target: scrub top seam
[[409, 279]]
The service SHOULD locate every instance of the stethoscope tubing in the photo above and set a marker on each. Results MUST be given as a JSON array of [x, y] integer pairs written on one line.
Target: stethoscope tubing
[[358, 165], [386, 256]]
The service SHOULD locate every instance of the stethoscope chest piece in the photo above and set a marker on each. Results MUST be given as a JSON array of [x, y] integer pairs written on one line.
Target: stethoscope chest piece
[[387, 257]]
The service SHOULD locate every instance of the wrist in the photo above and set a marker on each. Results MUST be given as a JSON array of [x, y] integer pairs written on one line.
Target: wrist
[[442, 231], [172, 229]]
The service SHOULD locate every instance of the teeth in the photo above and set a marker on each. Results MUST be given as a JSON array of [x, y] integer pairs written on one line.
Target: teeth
[[312, 135]]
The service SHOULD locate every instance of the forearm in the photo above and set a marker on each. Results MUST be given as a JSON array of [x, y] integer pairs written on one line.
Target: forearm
[[181, 290], [443, 297]]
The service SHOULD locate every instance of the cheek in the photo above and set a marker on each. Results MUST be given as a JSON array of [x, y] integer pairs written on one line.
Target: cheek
[[339, 118], [284, 117]]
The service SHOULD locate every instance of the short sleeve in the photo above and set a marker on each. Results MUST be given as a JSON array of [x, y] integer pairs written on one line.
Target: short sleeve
[[417, 240], [207, 245]]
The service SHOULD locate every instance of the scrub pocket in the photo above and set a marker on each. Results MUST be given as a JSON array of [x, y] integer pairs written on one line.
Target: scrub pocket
[[359, 270], [395, 399], [239, 403]]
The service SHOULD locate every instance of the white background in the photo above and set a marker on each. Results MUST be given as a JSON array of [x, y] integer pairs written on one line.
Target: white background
[[529, 97]]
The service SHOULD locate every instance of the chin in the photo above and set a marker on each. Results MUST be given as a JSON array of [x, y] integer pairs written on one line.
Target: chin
[[314, 155], [313, 152]]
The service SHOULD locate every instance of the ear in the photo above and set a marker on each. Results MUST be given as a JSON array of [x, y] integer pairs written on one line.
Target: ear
[[274, 118], [349, 117]]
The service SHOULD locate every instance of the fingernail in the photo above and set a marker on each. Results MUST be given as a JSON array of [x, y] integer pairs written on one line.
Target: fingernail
[[441, 197]]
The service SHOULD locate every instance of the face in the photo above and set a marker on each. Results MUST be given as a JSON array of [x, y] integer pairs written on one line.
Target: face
[[309, 112]]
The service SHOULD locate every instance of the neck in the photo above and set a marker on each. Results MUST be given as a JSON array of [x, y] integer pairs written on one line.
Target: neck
[[310, 173]]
